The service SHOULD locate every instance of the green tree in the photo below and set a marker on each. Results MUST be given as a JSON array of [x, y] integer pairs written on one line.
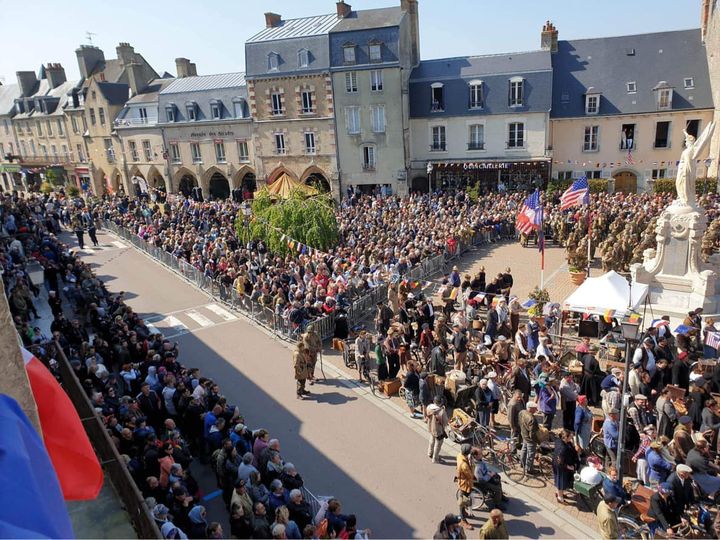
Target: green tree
[[310, 220]]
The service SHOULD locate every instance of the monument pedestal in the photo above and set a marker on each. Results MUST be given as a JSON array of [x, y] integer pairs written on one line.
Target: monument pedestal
[[677, 279]]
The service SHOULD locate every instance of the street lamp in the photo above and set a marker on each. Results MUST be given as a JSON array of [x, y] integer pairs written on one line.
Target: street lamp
[[630, 332], [246, 212]]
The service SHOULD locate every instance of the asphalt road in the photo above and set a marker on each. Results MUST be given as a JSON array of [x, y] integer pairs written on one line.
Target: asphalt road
[[345, 442]]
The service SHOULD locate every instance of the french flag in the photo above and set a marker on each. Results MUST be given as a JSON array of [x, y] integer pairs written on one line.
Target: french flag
[[67, 444]]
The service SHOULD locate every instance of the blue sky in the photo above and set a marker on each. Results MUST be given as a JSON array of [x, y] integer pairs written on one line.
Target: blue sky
[[212, 36]]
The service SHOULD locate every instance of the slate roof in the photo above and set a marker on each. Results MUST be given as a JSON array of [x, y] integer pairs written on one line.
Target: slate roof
[[8, 93], [114, 93], [478, 66], [150, 94], [294, 28], [205, 82], [369, 18], [608, 64]]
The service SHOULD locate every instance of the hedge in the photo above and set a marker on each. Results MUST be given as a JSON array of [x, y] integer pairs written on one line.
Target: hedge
[[702, 185]]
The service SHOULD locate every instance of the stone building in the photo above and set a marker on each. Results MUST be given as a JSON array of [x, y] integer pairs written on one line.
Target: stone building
[[710, 28], [291, 100], [10, 177], [481, 120], [620, 105], [207, 132], [372, 53]]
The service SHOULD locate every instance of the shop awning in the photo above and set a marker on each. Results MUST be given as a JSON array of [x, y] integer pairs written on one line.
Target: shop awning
[[608, 293], [284, 186]]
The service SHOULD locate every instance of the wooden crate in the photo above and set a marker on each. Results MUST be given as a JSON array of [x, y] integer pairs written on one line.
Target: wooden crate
[[676, 393], [390, 387], [597, 424]]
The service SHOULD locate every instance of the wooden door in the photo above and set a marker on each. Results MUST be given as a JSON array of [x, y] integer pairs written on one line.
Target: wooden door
[[625, 182]]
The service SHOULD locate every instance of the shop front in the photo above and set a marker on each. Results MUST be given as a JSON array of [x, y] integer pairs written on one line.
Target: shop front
[[488, 175], [10, 177], [83, 180]]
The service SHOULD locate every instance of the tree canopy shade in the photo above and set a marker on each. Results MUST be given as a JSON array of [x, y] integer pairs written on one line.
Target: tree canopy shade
[[308, 220]]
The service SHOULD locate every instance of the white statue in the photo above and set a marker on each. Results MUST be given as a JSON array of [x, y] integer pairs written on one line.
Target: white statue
[[687, 170]]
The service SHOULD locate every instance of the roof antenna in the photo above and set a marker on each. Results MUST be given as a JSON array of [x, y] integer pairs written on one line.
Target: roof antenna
[[89, 36]]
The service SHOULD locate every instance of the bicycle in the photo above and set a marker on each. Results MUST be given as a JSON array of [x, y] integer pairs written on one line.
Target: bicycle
[[370, 375]]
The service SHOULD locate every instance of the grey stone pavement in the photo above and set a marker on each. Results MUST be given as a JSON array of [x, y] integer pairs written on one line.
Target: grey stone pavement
[[345, 442]]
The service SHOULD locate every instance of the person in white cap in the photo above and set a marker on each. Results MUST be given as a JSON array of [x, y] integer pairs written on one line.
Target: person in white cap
[[529, 432], [682, 485]]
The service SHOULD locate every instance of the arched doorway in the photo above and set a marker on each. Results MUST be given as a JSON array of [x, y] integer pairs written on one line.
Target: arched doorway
[[318, 181], [186, 184], [248, 185], [625, 182], [420, 184], [219, 186]]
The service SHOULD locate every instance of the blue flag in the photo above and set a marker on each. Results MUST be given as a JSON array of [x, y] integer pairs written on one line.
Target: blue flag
[[31, 502]]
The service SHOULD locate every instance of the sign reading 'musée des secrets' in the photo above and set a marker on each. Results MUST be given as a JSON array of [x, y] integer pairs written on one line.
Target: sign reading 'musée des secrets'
[[203, 134]]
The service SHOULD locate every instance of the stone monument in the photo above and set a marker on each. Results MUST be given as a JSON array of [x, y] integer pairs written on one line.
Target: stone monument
[[678, 280]]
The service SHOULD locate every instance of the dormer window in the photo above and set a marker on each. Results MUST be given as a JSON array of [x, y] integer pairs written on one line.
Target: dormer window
[[191, 107], [689, 83], [349, 53], [303, 58], [437, 101], [216, 109], [375, 51], [592, 101], [170, 113], [476, 94], [631, 87], [239, 107], [516, 92], [273, 61], [663, 96]]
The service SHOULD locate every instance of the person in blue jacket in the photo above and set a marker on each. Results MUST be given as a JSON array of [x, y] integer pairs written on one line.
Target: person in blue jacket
[[660, 468]]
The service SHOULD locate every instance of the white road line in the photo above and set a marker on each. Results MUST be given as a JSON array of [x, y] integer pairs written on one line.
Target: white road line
[[221, 312], [199, 318], [176, 324], [118, 244], [152, 329]]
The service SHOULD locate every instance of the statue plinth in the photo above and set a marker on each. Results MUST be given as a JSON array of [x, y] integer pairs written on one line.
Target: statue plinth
[[678, 280]]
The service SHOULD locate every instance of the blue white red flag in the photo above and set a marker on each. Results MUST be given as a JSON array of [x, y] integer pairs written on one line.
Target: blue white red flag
[[577, 193], [657, 323], [31, 503], [712, 339], [530, 216]]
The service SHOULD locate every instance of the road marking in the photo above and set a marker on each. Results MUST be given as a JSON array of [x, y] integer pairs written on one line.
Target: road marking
[[199, 318], [212, 495], [221, 312], [152, 329], [118, 244], [175, 324]]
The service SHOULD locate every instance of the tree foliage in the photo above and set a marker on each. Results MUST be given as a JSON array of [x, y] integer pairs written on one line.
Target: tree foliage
[[310, 220], [702, 186]]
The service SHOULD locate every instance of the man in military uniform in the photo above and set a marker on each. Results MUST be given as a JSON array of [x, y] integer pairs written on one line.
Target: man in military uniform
[[313, 344], [301, 365]]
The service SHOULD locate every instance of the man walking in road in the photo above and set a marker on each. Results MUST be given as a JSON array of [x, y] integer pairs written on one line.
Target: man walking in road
[[465, 478], [301, 364], [437, 421], [607, 519]]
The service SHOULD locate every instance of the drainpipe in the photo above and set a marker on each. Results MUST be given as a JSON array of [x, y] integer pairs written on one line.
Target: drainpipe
[[337, 146]]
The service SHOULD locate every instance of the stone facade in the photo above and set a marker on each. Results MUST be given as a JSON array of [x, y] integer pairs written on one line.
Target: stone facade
[[710, 26]]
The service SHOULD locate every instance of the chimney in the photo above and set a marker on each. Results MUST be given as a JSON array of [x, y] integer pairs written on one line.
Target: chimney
[[272, 20], [125, 53], [136, 78], [343, 9], [55, 74], [27, 81], [549, 37], [411, 8], [90, 59], [185, 68]]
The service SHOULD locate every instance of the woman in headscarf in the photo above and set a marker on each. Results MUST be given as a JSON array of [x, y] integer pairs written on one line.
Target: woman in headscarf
[[583, 422], [153, 380], [565, 460], [198, 522]]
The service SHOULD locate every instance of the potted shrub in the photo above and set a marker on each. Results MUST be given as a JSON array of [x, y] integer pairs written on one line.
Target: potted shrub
[[577, 263], [541, 297]]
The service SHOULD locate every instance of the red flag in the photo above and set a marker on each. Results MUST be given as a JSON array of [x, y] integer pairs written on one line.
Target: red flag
[[68, 446]]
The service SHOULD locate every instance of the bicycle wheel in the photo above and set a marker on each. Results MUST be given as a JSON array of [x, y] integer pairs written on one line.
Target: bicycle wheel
[[477, 498], [629, 528]]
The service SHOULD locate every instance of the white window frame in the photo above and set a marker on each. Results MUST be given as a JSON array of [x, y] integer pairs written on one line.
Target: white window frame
[[196, 152], [594, 174], [349, 55], [437, 105], [476, 137], [191, 109], [101, 115], [664, 99], [280, 144], [175, 153], [352, 120], [143, 114], [369, 155], [591, 139], [243, 151], [519, 136], [239, 108], [658, 174], [565, 175], [351, 86], [53, 151], [667, 139], [516, 95], [216, 110], [378, 118], [631, 87], [303, 58], [81, 153], [306, 101], [689, 83], [375, 52], [276, 104], [273, 61], [170, 113], [592, 104], [61, 128], [376, 80], [476, 94], [628, 143], [438, 138], [134, 156], [49, 128], [310, 142], [220, 156], [147, 150]]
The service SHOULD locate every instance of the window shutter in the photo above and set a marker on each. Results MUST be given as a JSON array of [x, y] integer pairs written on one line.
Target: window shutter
[[509, 93]]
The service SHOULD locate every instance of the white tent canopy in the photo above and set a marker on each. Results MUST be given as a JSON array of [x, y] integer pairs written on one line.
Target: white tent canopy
[[608, 292]]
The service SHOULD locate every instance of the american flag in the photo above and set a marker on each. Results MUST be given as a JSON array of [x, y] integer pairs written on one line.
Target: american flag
[[578, 193], [629, 158], [530, 216], [712, 339]]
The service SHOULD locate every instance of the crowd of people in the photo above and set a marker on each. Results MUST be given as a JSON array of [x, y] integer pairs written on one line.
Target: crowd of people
[[162, 414]]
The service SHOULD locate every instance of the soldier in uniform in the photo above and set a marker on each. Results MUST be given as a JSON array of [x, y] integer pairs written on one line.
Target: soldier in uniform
[[301, 365], [313, 344], [709, 239]]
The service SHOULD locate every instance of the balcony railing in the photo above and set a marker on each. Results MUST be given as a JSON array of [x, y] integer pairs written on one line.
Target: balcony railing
[[476, 146], [47, 160], [368, 166], [134, 122], [627, 145], [280, 151], [438, 147], [436, 106]]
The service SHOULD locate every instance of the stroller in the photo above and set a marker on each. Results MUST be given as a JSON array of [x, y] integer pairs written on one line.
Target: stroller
[[462, 427]]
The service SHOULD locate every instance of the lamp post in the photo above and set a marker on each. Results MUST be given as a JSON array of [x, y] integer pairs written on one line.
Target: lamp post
[[247, 212], [630, 333]]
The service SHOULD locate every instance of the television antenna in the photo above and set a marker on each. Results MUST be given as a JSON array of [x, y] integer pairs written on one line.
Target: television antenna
[[89, 36]]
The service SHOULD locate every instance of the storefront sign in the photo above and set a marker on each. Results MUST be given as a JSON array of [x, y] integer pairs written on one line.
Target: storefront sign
[[10, 168], [205, 134]]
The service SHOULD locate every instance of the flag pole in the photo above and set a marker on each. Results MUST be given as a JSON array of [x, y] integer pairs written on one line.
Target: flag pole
[[589, 224], [541, 238]]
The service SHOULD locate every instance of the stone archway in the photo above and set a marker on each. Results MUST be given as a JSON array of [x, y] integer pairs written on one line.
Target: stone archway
[[185, 181], [115, 183], [316, 177], [625, 181], [156, 180], [218, 186], [277, 172]]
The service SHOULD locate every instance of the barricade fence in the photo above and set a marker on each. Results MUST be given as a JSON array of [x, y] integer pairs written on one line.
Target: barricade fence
[[279, 324]]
